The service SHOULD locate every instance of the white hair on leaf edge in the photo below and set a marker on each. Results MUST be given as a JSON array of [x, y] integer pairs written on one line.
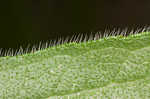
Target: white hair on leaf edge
[[75, 38]]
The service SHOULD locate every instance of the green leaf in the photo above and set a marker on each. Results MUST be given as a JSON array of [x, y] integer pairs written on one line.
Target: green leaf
[[108, 68]]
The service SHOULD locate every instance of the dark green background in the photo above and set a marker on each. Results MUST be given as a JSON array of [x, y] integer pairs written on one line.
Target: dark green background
[[29, 21]]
